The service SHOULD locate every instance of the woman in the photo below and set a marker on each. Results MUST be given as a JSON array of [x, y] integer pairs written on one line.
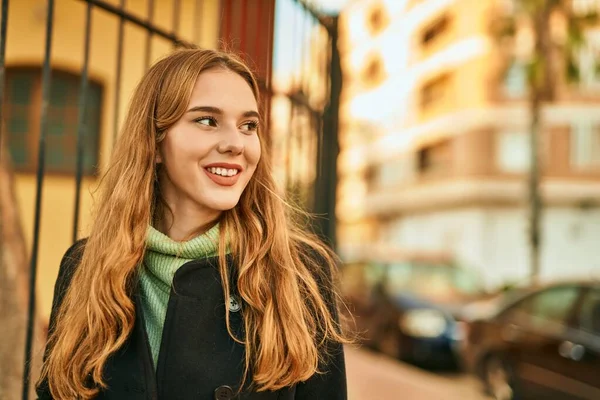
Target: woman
[[194, 282]]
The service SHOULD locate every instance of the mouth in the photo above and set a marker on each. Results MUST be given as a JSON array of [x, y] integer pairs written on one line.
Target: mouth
[[223, 176], [227, 172]]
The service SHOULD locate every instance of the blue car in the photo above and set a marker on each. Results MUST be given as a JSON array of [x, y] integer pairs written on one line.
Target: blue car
[[409, 309]]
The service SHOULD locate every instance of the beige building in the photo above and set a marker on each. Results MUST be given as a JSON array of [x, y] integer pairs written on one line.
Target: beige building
[[434, 143]]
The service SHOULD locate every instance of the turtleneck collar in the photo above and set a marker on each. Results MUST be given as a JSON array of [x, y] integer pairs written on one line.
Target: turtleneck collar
[[204, 245]]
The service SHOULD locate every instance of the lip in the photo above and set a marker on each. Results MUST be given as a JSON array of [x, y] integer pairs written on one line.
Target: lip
[[223, 180]]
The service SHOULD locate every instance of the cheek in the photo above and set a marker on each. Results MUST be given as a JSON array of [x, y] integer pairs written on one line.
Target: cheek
[[170, 148], [183, 152], [171, 157], [254, 151]]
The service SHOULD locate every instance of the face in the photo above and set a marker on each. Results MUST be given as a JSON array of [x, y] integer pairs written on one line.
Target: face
[[210, 154]]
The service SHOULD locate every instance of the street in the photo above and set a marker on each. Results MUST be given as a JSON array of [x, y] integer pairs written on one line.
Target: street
[[375, 377]]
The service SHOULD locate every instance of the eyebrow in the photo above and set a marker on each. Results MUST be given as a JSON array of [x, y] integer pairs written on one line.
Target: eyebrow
[[218, 111]]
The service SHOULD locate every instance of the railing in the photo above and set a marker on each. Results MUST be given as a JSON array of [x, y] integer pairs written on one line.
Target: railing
[[307, 132]]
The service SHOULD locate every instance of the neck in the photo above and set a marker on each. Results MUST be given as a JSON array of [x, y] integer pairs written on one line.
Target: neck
[[180, 217], [180, 225]]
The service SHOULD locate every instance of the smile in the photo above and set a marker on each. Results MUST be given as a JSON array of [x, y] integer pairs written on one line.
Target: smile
[[223, 176], [223, 171]]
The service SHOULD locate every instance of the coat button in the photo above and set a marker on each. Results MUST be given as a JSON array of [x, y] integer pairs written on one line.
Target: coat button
[[223, 393], [235, 304]]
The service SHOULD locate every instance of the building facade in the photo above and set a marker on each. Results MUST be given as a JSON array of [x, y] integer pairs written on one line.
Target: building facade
[[435, 148]]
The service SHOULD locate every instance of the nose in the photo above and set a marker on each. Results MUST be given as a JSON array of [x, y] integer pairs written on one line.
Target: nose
[[232, 142]]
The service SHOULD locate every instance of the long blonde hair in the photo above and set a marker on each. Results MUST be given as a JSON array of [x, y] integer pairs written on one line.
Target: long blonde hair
[[281, 269]]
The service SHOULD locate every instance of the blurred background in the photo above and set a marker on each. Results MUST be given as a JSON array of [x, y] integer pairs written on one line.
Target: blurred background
[[450, 150]]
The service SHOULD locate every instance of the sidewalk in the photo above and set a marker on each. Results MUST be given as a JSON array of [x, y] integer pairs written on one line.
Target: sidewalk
[[375, 377]]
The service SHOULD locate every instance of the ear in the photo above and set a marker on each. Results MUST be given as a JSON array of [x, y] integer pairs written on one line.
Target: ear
[[158, 158]]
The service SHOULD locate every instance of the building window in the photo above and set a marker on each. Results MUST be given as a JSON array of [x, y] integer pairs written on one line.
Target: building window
[[23, 112], [435, 159], [435, 30], [435, 90], [585, 145], [512, 152]]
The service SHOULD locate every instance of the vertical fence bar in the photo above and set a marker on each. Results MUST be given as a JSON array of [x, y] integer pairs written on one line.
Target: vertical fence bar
[[315, 124], [305, 131], [319, 126], [82, 123], [326, 64], [118, 73], [327, 181], [290, 184], [150, 34], [3, 25], [46, 76], [289, 141], [316, 118]]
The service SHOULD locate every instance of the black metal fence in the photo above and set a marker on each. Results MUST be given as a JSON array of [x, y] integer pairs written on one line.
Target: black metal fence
[[303, 138]]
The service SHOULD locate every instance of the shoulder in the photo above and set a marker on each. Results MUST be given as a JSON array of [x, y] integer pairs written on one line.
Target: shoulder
[[74, 253], [68, 265]]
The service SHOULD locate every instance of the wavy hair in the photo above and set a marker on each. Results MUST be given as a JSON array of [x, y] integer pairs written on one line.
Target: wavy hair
[[281, 269]]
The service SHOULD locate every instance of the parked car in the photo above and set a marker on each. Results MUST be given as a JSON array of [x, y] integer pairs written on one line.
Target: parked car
[[407, 308], [537, 343]]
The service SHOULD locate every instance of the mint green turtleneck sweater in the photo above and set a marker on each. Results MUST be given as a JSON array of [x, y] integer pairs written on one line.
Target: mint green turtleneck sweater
[[163, 258]]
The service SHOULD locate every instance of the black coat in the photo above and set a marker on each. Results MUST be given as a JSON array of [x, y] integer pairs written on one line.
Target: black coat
[[198, 359]]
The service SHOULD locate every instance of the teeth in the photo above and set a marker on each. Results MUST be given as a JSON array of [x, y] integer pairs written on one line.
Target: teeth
[[223, 171]]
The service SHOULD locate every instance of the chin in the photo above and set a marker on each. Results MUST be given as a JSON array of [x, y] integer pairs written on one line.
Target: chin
[[223, 204]]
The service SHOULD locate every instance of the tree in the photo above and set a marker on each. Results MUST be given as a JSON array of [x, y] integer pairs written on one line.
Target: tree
[[557, 32]]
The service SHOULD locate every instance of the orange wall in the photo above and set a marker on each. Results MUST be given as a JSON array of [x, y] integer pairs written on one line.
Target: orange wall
[[67, 53]]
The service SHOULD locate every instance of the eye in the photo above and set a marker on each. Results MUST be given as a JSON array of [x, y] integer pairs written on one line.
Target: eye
[[206, 121], [249, 126]]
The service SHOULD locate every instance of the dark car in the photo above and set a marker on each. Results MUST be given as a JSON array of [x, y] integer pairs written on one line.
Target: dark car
[[537, 343], [407, 309]]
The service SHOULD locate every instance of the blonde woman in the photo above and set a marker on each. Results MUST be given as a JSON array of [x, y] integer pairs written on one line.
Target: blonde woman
[[194, 282]]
